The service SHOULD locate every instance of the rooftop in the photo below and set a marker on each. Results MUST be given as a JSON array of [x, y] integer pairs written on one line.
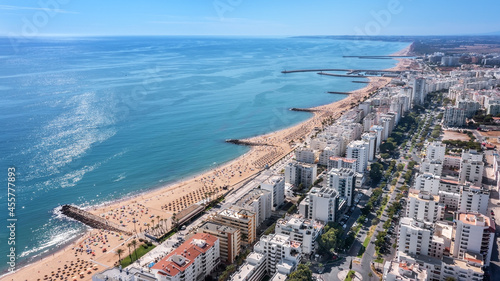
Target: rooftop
[[213, 226], [181, 258], [475, 219]]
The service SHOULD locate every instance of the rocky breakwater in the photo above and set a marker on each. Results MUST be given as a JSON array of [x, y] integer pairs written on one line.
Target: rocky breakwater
[[91, 219]]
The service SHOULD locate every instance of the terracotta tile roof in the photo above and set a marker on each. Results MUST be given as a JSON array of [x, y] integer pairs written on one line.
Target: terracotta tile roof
[[185, 254]]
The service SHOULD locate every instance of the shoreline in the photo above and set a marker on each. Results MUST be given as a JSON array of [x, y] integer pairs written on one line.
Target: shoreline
[[210, 180]]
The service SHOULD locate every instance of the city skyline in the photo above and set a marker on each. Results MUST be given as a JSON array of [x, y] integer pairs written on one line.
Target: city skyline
[[245, 18]]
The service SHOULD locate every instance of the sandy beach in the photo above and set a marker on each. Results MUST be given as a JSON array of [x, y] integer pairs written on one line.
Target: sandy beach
[[153, 210]]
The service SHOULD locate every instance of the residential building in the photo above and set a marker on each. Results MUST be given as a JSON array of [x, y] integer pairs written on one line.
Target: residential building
[[305, 155], [342, 180], [427, 183], [371, 139], [301, 173], [282, 253], [424, 206], [436, 151], [192, 260], [229, 239], [275, 185], [257, 201], [470, 267], [434, 167], [323, 204], [471, 167], [398, 271], [454, 117], [358, 150], [300, 229], [414, 236], [418, 93], [241, 219], [253, 269], [474, 199], [341, 162], [474, 233]]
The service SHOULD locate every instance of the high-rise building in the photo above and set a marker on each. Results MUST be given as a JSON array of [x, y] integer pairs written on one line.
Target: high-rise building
[[474, 199], [243, 220], [474, 233], [371, 139], [436, 151], [301, 173], [282, 253], [454, 117], [257, 201], [275, 185], [414, 236], [229, 239], [471, 167], [358, 150], [342, 180], [322, 204], [305, 155], [300, 229], [192, 260], [424, 206], [418, 93]]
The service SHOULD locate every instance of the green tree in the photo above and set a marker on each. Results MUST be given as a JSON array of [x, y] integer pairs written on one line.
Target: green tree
[[119, 252], [329, 240], [303, 273], [376, 172], [134, 243]]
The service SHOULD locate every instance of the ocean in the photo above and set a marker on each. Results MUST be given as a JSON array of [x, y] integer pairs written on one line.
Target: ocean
[[89, 120]]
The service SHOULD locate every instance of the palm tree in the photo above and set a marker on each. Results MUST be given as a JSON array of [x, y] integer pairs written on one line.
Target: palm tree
[[134, 243], [119, 252], [129, 253]]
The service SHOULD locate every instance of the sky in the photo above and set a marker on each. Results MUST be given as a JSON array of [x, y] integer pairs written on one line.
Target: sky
[[247, 17]]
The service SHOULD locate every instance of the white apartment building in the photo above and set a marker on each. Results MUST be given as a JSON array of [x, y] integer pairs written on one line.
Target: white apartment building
[[436, 151], [279, 248], [449, 184], [441, 240], [275, 185], [322, 205], [371, 139], [305, 155], [414, 236], [193, 260], [449, 199], [341, 162], [471, 167], [418, 93], [258, 201], [427, 183], [300, 173], [474, 199], [253, 269], [379, 132], [358, 150], [300, 229], [342, 180], [397, 271], [434, 167], [474, 233], [424, 206], [467, 268], [454, 117]]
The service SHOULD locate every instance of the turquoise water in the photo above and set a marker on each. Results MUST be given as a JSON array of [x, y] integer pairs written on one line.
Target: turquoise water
[[89, 120]]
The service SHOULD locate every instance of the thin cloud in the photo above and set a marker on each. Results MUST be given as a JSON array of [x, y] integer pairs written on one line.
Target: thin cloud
[[17, 8]]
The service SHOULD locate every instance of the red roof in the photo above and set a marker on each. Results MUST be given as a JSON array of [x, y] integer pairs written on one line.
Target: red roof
[[187, 252]]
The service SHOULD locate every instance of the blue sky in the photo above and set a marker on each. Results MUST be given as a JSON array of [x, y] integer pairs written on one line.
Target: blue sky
[[248, 17]]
